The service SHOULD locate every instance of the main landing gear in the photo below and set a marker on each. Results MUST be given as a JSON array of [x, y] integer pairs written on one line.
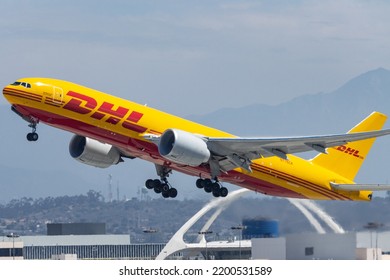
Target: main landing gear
[[32, 136], [161, 186], [167, 191], [212, 187]]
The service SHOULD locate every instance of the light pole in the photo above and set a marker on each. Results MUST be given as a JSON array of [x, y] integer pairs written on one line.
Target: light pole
[[151, 231], [240, 228], [374, 226], [204, 233], [13, 236]]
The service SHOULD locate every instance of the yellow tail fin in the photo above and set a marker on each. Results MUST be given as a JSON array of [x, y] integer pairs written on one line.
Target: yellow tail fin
[[347, 159]]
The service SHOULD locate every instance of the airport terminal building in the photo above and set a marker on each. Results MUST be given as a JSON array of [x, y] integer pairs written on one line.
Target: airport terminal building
[[302, 246], [88, 247], [256, 238]]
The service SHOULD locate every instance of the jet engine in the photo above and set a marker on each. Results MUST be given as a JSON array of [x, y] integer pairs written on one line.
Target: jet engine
[[92, 152], [183, 147]]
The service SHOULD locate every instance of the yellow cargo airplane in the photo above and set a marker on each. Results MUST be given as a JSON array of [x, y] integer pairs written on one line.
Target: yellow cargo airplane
[[108, 129]]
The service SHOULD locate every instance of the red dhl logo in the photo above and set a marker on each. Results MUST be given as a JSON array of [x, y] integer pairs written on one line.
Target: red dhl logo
[[84, 104], [350, 151]]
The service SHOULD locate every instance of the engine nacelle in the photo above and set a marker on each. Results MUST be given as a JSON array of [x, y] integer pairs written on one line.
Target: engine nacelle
[[92, 152], [183, 147]]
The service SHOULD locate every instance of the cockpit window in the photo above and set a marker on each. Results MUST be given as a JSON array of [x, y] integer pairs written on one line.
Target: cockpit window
[[23, 84]]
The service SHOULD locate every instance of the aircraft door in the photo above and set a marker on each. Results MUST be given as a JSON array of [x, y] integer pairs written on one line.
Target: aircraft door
[[58, 94]]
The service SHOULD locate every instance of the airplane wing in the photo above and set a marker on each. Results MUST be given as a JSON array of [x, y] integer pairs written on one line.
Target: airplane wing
[[286, 145], [235, 152], [360, 187]]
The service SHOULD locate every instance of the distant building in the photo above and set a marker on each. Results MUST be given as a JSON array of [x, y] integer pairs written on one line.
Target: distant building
[[11, 249], [269, 248], [313, 246], [76, 229], [87, 247], [260, 228], [302, 246]]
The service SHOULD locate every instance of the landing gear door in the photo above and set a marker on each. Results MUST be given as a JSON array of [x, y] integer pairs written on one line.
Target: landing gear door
[[58, 94]]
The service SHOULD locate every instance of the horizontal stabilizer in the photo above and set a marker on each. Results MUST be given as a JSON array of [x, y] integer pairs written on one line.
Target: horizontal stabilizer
[[360, 187]]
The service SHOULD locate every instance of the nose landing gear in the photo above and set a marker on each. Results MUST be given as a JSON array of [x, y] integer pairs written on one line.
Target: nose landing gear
[[33, 136], [33, 122]]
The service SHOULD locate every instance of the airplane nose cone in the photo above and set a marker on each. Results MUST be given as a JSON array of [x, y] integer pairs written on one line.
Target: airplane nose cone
[[6, 93]]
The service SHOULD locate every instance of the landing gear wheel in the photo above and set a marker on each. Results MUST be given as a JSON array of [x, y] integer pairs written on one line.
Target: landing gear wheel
[[165, 187], [217, 193], [223, 192], [215, 187], [208, 188], [156, 183], [157, 189], [32, 136], [172, 193], [200, 183], [149, 184], [207, 182], [165, 194]]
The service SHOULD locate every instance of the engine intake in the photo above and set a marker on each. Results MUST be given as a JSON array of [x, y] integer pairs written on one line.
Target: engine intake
[[183, 147], [92, 152]]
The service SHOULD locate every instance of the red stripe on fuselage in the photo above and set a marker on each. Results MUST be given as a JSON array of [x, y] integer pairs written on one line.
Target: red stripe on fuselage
[[22, 94], [299, 181]]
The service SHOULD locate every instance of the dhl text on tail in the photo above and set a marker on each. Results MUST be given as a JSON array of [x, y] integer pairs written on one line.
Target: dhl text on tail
[[108, 129]]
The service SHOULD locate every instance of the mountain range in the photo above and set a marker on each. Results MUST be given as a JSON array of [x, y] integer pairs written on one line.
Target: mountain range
[[44, 168]]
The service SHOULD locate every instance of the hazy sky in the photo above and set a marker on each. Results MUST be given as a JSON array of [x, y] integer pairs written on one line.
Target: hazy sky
[[184, 57], [189, 57]]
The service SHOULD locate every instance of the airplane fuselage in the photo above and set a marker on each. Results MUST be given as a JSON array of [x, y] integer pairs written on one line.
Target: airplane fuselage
[[123, 124]]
